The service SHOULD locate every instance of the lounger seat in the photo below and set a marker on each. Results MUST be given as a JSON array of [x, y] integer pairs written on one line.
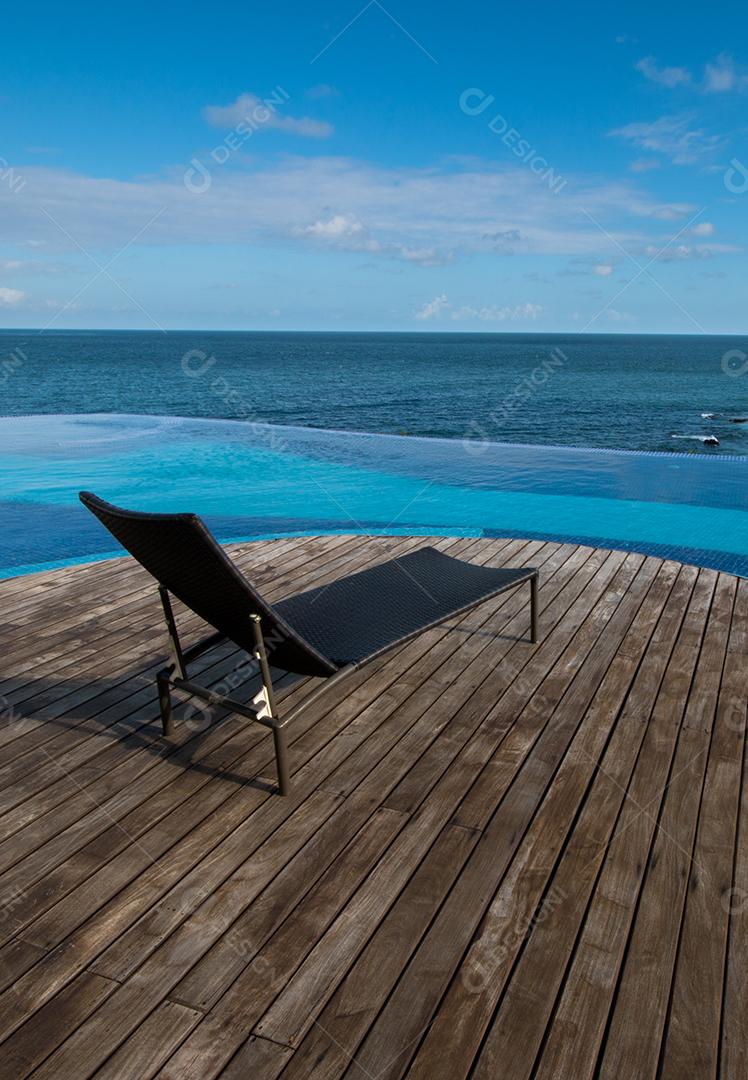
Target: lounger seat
[[326, 632], [360, 616]]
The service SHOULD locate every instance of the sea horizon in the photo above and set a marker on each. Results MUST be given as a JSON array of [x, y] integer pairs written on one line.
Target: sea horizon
[[66, 331], [647, 392]]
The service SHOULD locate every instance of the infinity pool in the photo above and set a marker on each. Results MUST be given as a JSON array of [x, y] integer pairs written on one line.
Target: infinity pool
[[255, 480]]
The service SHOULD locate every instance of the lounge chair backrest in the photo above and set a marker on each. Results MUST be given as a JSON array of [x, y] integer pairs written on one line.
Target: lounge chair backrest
[[183, 556]]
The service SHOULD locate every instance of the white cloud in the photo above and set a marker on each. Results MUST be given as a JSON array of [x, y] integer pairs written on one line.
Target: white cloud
[[665, 76], [258, 114], [673, 211], [346, 233], [10, 297], [422, 216], [704, 228], [603, 270], [339, 226], [321, 90], [433, 308], [493, 313], [427, 256], [36, 267], [723, 75], [67, 305], [672, 136], [644, 165], [687, 252]]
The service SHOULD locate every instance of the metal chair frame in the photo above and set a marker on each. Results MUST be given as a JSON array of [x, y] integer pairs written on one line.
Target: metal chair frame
[[174, 676]]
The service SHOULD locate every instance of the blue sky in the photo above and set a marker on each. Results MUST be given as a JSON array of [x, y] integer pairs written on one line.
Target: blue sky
[[389, 166]]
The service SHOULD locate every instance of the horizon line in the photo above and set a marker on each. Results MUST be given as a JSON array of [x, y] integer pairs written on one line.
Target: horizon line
[[50, 332]]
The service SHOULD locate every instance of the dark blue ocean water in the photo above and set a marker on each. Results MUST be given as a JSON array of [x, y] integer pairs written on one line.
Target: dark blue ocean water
[[632, 391]]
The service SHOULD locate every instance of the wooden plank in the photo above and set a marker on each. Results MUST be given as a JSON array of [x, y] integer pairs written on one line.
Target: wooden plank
[[389, 770], [258, 1058], [118, 619], [40, 777], [524, 897], [407, 1013], [141, 1056], [332, 1042], [271, 962], [459, 670], [545, 767], [639, 1015], [545, 905], [581, 1015], [531, 710], [159, 868], [236, 950], [16, 957], [692, 1038], [339, 881], [127, 598], [51, 1025], [734, 1036], [339, 748], [292, 1014], [116, 664], [90, 1045]]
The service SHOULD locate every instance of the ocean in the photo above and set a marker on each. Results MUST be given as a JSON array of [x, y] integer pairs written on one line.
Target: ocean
[[619, 391]]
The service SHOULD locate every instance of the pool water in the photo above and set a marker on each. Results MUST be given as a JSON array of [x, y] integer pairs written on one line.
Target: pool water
[[257, 480]]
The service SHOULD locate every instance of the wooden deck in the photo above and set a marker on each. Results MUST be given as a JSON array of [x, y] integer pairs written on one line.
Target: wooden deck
[[497, 859]]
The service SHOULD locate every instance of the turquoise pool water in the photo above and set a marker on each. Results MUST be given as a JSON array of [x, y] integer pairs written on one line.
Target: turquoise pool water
[[252, 480]]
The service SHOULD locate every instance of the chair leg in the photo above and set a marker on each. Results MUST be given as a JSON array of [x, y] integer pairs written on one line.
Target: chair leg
[[164, 701], [534, 610], [281, 760]]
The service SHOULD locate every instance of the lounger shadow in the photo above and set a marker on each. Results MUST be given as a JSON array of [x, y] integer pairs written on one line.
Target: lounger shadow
[[326, 632]]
